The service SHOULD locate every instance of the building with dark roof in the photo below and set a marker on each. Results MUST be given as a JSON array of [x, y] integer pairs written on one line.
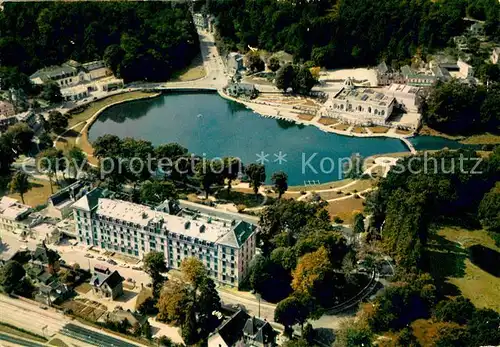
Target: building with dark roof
[[242, 330], [106, 284], [45, 258], [60, 203]]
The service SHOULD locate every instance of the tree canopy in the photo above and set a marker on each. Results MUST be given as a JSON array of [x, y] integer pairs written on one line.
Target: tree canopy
[[138, 40]]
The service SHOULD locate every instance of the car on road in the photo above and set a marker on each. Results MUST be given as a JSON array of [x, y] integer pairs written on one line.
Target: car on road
[[23, 240], [101, 258], [131, 280], [125, 266], [137, 268], [112, 262], [88, 255]]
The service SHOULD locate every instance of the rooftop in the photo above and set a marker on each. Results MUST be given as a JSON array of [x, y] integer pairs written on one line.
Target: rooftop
[[11, 209], [365, 95]]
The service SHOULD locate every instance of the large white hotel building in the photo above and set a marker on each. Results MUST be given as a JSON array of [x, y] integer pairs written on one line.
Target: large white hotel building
[[226, 247]]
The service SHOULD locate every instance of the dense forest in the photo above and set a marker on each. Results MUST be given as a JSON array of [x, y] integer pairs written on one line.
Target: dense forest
[[139, 40], [350, 32]]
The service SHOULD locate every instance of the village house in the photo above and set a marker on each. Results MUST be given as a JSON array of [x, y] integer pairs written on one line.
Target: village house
[[13, 216], [242, 330], [46, 259], [495, 55], [106, 283], [52, 293]]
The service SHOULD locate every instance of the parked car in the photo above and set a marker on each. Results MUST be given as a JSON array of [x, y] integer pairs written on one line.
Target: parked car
[[125, 266], [131, 280], [101, 258], [137, 268], [111, 261], [88, 255], [148, 285], [23, 240]]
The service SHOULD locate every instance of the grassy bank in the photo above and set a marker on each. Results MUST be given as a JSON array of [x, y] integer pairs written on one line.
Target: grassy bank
[[80, 121], [12, 330], [454, 271]]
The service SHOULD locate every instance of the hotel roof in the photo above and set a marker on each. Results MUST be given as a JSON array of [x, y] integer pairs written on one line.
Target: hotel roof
[[194, 224]]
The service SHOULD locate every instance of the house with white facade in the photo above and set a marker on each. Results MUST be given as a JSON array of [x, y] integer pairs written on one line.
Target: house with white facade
[[225, 247], [77, 81], [359, 105], [13, 216], [495, 55]]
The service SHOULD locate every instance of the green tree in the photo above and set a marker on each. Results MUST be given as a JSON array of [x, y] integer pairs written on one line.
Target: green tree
[[20, 184], [284, 77], [257, 175], [208, 173], [171, 158], [7, 156], [77, 161], [458, 310], [57, 121], [254, 62], [11, 275], [359, 223], [280, 181], [52, 161], [406, 338], [274, 64], [232, 169], [154, 266], [303, 80], [19, 137], [51, 93], [107, 146], [291, 311], [156, 192], [483, 328], [489, 209]]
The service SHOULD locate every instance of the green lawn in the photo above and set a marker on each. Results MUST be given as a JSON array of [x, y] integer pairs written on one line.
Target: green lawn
[[454, 272]]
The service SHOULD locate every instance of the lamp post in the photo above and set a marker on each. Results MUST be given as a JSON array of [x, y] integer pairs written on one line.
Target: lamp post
[[258, 297]]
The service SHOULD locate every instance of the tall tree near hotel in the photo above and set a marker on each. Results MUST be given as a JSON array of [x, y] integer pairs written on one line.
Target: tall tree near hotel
[[232, 169], [52, 160], [257, 175], [20, 184], [154, 265]]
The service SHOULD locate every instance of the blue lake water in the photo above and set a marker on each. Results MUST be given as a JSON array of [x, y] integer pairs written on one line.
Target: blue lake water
[[211, 126]]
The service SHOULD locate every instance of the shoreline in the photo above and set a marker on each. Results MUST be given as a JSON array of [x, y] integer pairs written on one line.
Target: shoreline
[[268, 111], [82, 137]]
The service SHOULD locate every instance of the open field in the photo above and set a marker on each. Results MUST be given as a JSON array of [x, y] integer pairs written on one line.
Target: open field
[[327, 121], [403, 132], [483, 139], [342, 127], [38, 195], [378, 129], [345, 209], [326, 185], [359, 130], [193, 72], [454, 271], [307, 117]]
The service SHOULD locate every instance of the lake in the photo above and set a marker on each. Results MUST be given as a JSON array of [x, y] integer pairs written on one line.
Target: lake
[[211, 126]]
